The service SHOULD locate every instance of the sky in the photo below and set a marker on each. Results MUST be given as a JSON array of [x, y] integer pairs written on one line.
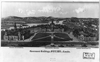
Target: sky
[[37, 9]]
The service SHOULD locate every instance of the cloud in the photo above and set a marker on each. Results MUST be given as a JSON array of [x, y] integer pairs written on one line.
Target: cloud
[[20, 10], [63, 13], [79, 10], [26, 12], [50, 9], [30, 12]]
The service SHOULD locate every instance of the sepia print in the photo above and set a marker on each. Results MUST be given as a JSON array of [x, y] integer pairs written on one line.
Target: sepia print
[[50, 24]]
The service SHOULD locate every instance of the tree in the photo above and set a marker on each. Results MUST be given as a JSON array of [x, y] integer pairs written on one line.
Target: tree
[[74, 19]]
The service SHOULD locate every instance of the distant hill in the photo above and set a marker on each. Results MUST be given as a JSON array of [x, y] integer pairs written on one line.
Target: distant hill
[[30, 19], [9, 21], [36, 19]]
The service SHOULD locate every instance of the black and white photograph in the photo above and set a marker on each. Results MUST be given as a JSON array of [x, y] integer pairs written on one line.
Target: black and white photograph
[[50, 24], [50, 31]]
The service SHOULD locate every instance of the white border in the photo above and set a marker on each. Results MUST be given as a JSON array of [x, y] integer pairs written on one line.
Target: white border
[[19, 54]]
